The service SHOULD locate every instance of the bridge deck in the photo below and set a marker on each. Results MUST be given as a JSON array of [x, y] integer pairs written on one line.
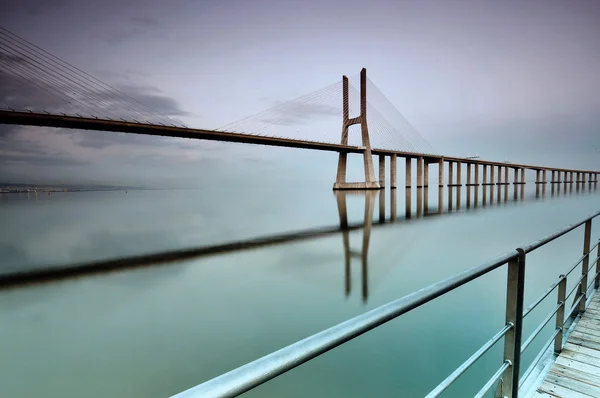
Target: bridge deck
[[576, 372]]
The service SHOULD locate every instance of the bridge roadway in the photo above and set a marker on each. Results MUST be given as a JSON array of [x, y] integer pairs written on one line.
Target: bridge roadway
[[83, 123]]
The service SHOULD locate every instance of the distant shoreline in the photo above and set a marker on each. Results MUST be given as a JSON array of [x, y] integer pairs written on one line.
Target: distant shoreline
[[73, 190]]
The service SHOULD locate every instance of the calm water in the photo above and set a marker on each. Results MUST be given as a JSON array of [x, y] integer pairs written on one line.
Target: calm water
[[159, 330]]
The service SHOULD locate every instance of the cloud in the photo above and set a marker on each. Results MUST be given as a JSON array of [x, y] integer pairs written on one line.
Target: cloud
[[144, 21], [131, 28], [39, 147], [306, 113], [34, 7]]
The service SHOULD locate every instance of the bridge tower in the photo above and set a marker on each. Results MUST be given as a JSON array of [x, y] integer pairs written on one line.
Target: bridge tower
[[370, 181]]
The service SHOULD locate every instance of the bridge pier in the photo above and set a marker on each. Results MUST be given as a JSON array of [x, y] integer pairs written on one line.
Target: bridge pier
[[484, 175], [441, 173], [468, 183], [476, 182], [458, 176], [426, 174], [420, 172], [382, 171], [408, 173], [450, 174], [393, 171]]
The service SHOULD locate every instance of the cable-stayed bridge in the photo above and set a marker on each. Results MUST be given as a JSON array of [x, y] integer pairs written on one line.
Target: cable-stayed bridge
[[39, 89]]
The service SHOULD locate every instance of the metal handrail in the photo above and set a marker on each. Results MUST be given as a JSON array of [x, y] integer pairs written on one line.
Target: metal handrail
[[493, 379], [540, 327], [538, 356], [467, 364], [542, 297], [272, 365]]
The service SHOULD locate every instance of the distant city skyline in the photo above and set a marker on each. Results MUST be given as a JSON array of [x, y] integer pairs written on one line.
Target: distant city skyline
[[511, 80]]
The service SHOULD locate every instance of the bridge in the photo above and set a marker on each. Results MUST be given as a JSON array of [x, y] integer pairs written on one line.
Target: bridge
[[62, 96], [572, 339]]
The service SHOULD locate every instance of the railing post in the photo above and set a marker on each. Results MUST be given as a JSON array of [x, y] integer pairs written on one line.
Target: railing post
[[585, 265], [597, 281], [560, 315], [515, 282]]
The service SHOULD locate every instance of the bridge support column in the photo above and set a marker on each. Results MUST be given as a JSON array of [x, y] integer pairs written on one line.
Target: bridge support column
[[537, 176], [381, 171], [441, 173], [484, 175], [468, 175], [476, 182], [450, 174], [393, 171], [492, 175], [408, 172], [425, 173], [370, 181], [420, 172], [458, 175], [499, 175]]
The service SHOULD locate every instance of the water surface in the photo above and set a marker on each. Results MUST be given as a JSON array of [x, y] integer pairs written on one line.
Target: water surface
[[159, 330]]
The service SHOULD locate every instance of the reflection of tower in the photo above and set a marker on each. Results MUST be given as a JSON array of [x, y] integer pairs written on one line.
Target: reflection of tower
[[368, 222]]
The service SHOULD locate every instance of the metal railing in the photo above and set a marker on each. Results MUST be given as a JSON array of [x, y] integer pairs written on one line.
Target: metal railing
[[270, 366]]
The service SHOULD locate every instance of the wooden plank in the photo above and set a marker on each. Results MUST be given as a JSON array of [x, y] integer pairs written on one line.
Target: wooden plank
[[575, 375], [582, 334], [539, 394], [576, 371], [579, 366], [584, 342], [587, 324], [574, 385], [580, 349], [575, 356], [559, 391], [592, 320], [594, 333]]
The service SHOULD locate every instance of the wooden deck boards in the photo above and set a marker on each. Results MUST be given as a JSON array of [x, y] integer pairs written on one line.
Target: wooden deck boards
[[576, 372]]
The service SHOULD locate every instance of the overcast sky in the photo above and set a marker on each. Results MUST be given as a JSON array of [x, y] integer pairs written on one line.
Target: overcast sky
[[505, 80]]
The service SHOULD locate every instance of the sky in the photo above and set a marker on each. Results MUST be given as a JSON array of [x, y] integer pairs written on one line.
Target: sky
[[503, 80]]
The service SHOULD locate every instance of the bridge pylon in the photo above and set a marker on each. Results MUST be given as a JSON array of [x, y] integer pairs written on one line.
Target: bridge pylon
[[370, 181]]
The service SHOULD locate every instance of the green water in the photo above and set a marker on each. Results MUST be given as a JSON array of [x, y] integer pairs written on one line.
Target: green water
[[156, 331]]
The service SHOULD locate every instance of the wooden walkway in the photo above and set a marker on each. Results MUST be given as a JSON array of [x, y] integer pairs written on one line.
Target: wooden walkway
[[576, 372]]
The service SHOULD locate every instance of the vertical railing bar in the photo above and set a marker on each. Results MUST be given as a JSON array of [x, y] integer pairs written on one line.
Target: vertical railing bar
[[540, 327], [467, 364], [560, 315], [542, 297], [585, 265], [573, 310], [515, 281], [592, 282], [575, 288], [597, 280]]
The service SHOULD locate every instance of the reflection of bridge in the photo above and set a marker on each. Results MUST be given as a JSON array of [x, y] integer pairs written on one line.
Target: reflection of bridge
[[39, 89], [50, 273]]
